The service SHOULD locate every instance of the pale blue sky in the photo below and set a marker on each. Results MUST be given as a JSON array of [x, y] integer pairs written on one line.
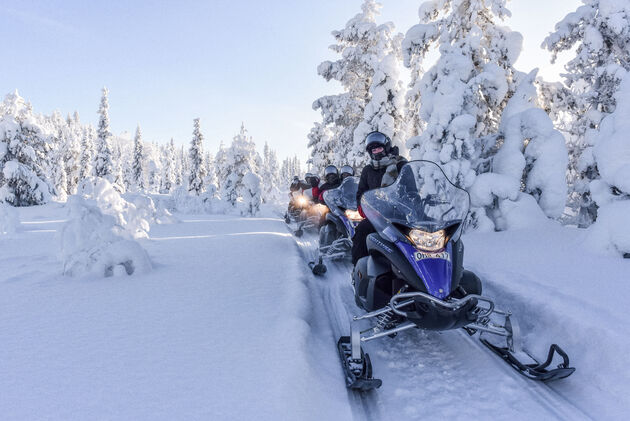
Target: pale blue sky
[[167, 62]]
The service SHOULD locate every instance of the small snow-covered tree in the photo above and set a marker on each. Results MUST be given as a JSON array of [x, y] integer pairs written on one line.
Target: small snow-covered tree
[[22, 180], [270, 175], [103, 166], [599, 31], [138, 160], [241, 159], [197, 170], [168, 178], [220, 162], [611, 191], [531, 160], [87, 149]]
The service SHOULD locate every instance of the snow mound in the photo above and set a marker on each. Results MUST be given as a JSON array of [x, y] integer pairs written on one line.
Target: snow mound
[[148, 209], [93, 243], [9, 220], [132, 218], [207, 202]]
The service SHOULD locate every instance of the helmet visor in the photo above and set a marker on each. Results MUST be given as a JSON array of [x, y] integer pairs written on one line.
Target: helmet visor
[[376, 138]]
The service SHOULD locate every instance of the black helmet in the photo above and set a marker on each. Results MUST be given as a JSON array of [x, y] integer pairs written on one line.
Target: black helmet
[[331, 174], [374, 140], [313, 180], [307, 176], [346, 171]]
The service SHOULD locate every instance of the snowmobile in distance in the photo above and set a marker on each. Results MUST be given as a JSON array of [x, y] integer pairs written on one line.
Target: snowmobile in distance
[[303, 212], [414, 277], [335, 235]]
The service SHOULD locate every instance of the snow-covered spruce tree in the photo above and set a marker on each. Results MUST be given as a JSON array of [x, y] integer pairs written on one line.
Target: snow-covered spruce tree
[[197, 170], [58, 175], [322, 145], [153, 168], [21, 176], [531, 161], [464, 93], [361, 43], [103, 166], [72, 152], [119, 162], [384, 110], [269, 174], [599, 31], [211, 172], [138, 161], [241, 160], [220, 162], [611, 191], [168, 178], [87, 149]]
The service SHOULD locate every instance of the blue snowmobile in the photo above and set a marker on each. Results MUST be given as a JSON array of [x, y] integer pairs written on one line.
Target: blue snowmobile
[[414, 277], [335, 235]]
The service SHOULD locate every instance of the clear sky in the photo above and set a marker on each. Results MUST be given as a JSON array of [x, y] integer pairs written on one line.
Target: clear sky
[[225, 61]]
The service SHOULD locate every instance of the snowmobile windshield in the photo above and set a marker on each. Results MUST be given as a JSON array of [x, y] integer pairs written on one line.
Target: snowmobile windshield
[[344, 196], [422, 197]]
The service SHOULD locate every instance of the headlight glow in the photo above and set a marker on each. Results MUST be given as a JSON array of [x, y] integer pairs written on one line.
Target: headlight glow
[[321, 209], [353, 215], [428, 241], [301, 201]]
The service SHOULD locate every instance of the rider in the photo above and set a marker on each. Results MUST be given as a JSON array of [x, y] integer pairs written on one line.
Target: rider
[[346, 171], [331, 175], [385, 164], [312, 184]]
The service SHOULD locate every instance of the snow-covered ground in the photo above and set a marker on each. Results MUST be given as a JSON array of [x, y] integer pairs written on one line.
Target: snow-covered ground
[[229, 324]]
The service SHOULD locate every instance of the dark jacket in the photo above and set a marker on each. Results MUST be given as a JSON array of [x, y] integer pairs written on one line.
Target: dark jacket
[[371, 179], [324, 187]]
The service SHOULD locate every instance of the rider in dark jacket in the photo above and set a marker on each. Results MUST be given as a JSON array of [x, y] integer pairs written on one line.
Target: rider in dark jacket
[[331, 175], [383, 169]]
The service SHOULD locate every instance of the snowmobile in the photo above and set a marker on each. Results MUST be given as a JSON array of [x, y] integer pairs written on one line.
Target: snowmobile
[[302, 212], [335, 235], [414, 277]]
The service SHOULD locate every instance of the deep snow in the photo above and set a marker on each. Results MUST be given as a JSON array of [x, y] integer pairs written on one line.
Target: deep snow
[[231, 325], [220, 329]]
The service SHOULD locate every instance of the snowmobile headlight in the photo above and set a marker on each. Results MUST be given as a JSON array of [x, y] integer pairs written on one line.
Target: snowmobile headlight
[[353, 215], [320, 209], [302, 201], [428, 241]]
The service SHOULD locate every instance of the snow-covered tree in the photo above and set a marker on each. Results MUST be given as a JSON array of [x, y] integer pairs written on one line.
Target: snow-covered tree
[[463, 94], [611, 191], [220, 162], [531, 160], [384, 110], [322, 145], [599, 31], [241, 159], [118, 168], [22, 180], [138, 161], [197, 170], [87, 149], [168, 178], [362, 45], [103, 166], [270, 175]]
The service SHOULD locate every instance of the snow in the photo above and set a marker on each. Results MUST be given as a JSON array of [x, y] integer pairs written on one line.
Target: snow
[[222, 328], [94, 244], [230, 324]]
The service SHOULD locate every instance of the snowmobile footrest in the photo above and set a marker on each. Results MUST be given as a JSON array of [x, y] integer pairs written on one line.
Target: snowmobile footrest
[[358, 373], [318, 268], [536, 371]]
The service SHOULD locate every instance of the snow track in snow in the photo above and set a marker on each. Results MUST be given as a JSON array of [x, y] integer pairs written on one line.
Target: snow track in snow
[[429, 374]]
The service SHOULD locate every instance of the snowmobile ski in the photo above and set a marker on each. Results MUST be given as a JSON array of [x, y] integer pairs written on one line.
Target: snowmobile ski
[[536, 371], [358, 371], [318, 268]]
